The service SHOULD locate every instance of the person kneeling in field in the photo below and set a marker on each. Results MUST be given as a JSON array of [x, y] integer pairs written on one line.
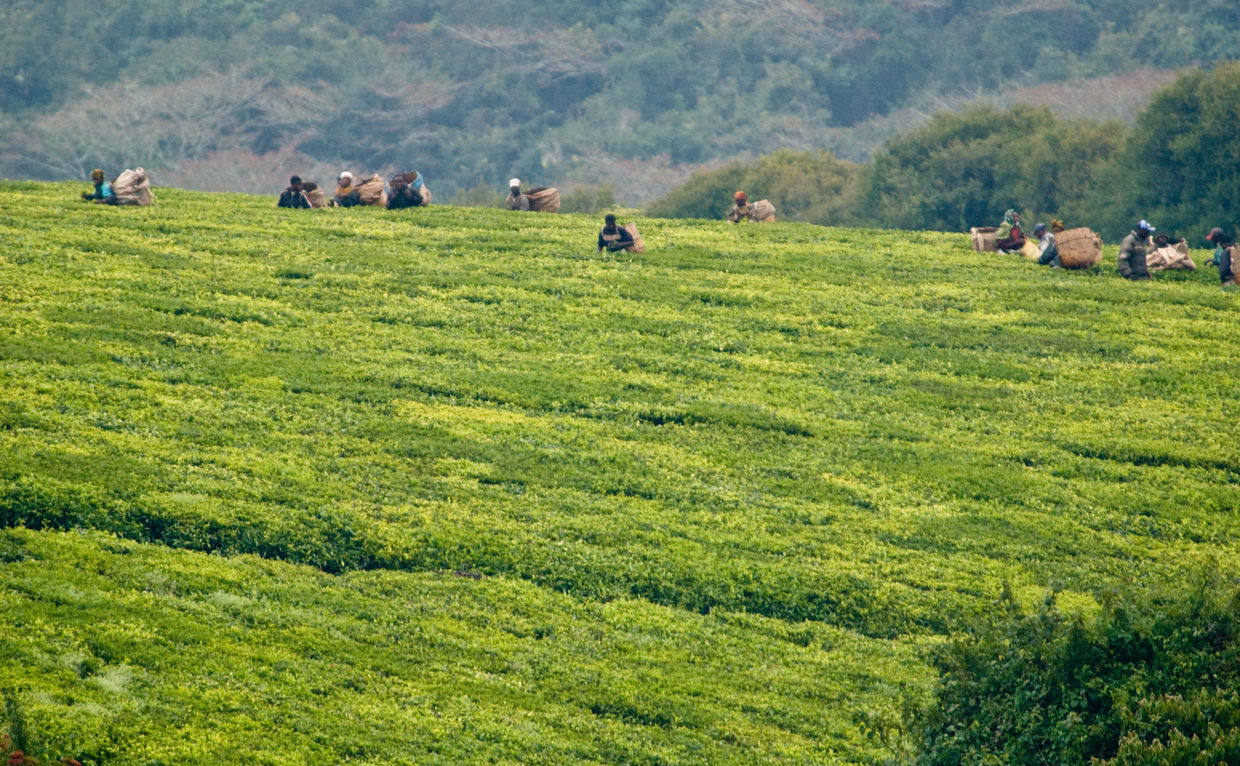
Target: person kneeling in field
[[761, 211], [1224, 255], [1048, 251], [1169, 254], [295, 195], [612, 237], [346, 191], [1132, 250], [103, 190], [406, 191], [1009, 237]]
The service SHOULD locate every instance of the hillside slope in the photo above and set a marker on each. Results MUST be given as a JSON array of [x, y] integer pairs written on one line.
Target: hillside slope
[[520, 502], [636, 94]]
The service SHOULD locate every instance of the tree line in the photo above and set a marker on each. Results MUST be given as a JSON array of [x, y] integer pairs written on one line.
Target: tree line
[[630, 94], [1177, 166]]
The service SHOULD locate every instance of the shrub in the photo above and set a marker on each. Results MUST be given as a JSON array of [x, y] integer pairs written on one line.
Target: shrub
[[1151, 680]]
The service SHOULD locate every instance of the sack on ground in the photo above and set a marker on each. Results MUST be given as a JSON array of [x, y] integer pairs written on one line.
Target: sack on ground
[[1170, 258], [984, 239], [133, 188], [370, 192], [544, 199], [1030, 250], [1078, 248], [639, 243], [316, 195], [763, 211]]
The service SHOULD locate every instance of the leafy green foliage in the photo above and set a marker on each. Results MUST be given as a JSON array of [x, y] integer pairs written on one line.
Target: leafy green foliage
[[1149, 681], [771, 461], [129, 653], [1179, 168], [573, 89], [804, 186], [964, 169]]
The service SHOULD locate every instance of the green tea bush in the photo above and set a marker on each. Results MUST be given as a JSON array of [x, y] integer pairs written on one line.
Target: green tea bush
[[222, 423], [1149, 680]]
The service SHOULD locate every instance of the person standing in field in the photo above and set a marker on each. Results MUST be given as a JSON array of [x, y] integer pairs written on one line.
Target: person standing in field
[[1048, 251], [1132, 250], [613, 237], [1224, 255], [295, 195], [515, 199], [103, 190]]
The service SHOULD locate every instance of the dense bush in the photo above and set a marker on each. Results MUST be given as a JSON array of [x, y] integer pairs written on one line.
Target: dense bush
[[1150, 680], [804, 186], [1181, 164], [1176, 167], [964, 169]]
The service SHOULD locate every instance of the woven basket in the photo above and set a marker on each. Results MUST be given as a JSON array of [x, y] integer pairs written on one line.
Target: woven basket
[[1078, 248], [546, 200], [639, 244], [984, 239]]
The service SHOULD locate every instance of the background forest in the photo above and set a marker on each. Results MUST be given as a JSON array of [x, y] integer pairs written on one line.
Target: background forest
[[631, 97]]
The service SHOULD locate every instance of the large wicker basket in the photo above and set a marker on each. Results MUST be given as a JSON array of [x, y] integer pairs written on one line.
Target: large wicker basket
[[984, 239], [546, 200], [1078, 248], [639, 242]]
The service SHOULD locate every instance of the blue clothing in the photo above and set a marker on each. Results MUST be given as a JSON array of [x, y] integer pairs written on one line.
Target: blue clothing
[[1223, 259], [1049, 251], [103, 192]]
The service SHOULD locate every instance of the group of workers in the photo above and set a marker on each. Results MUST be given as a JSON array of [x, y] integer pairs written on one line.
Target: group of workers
[[405, 190], [1141, 251], [400, 191]]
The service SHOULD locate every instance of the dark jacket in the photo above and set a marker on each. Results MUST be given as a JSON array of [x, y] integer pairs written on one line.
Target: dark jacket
[[614, 238], [297, 198], [1131, 258], [517, 202], [406, 196], [1225, 259]]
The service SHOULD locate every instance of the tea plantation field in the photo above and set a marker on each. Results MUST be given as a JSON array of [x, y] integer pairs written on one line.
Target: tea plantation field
[[445, 486]]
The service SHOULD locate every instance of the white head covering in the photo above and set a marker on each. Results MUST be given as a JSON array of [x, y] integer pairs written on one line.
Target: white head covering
[[1144, 224], [514, 182], [346, 175]]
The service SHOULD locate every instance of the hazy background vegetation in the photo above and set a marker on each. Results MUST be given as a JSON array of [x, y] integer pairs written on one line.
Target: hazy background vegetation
[[633, 97]]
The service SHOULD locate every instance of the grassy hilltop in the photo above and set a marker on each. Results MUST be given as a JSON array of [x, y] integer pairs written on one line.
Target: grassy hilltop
[[445, 486]]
